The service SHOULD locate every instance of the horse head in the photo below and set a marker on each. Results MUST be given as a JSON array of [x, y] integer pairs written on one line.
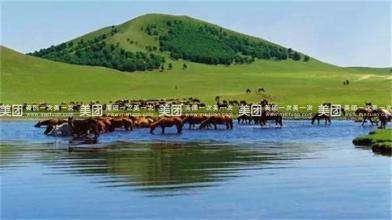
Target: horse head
[[38, 124]]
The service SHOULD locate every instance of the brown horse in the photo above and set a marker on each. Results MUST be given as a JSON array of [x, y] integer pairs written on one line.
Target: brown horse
[[121, 122], [193, 120], [319, 117], [82, 128], [167, 122], [366, 113], [50, 122], [383, 115], [218, 119], [271, 116], [142, 121], [104, 123]]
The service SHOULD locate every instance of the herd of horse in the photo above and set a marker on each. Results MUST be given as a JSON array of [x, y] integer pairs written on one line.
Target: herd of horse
[[104, 124], [94, 126]]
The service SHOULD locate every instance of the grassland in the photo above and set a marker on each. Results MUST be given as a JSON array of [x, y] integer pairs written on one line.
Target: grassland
[[30, 79], [379, 140]]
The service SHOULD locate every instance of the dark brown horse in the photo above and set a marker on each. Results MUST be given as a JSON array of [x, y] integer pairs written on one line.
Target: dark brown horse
[[383, 115], [218, 119], [193, 120], [319, 117], [271, 116], [82, 128], [367, 114], [167, 122]]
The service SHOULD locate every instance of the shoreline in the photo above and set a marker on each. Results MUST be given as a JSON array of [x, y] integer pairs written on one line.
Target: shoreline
[[380, 141]]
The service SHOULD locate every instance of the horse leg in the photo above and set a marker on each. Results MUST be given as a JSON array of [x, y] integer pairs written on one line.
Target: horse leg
[[178, 128], [162, 129], [48, 129], [364, 120], [382, 123], [131, 126], [95, 130], [96, 134], [371, 121], [215, 126]]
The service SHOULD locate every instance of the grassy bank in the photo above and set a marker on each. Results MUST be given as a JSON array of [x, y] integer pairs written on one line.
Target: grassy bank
[[380, 141]]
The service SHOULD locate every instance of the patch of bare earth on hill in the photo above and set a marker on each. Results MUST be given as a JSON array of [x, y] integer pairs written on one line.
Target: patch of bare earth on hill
[[368, 76]]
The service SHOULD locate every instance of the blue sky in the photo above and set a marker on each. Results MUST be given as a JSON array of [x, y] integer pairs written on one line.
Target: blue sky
[[347, 33]]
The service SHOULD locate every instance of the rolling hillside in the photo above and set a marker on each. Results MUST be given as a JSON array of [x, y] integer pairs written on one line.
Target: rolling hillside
[[152, 41], [30, 79]]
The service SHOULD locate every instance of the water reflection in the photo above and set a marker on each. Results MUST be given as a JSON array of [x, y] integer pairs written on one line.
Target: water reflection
[[157, 167]]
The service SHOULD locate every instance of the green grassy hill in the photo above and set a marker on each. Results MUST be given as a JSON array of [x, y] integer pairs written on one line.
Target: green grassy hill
[[152, 42], [30, 79]]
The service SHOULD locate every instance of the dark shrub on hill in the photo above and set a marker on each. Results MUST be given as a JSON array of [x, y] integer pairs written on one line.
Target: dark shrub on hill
[[213, 45], [96, 52], [296, 56]]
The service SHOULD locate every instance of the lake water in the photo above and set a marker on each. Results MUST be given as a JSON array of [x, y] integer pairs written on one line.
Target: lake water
[[298, 171]]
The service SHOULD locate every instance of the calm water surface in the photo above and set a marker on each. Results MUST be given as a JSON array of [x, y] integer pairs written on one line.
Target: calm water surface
[[299, 171]]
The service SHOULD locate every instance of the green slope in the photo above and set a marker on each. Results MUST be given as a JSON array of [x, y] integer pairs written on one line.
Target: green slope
[[29, 79], [151, 41]]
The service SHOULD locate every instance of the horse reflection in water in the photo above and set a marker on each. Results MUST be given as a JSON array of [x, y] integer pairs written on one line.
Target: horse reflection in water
[[167, 167]]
